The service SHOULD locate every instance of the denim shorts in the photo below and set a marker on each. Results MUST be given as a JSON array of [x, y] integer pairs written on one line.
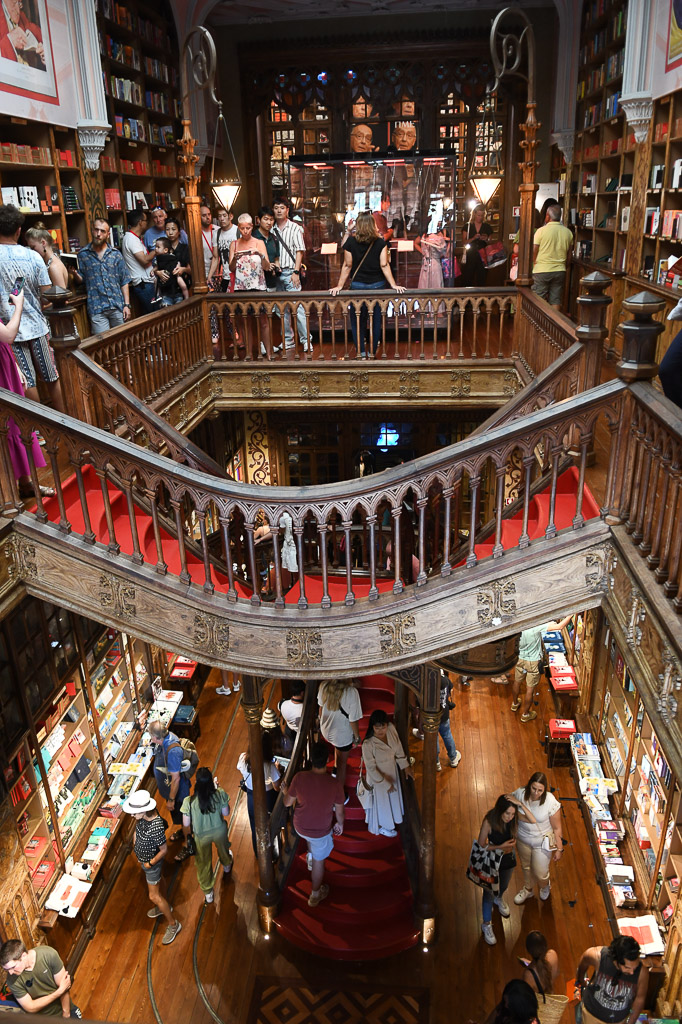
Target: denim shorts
[[153, 874], [43, 359]]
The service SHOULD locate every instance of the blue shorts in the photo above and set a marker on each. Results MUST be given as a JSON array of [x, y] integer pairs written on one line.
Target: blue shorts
[[43, 358], [153, 874]]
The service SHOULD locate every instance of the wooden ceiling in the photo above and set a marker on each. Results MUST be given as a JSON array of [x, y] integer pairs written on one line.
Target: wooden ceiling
[[240, 12]]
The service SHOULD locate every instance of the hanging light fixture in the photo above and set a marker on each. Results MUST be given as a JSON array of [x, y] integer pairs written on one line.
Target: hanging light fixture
[[226, 190], [486, 170]]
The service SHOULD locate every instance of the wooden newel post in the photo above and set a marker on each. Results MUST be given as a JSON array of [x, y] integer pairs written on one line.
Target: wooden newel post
[[268, 892], [640, 338], [65, 340], [592, 330]]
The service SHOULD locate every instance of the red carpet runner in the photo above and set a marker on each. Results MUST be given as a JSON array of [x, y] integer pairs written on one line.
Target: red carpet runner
[[368, 913]]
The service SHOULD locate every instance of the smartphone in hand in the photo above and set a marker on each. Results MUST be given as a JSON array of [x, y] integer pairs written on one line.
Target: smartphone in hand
[[17, 286]]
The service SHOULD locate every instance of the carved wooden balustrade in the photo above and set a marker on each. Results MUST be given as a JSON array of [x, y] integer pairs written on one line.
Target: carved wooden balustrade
[[641, 488], [153, 353], [201, 504], [448, 324], [541, 333]]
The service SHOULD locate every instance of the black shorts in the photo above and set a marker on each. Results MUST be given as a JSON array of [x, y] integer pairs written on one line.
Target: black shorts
[[344, 750]]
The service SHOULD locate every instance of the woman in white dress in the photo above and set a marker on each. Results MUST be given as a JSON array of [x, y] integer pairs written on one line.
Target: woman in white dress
[[383, 755]]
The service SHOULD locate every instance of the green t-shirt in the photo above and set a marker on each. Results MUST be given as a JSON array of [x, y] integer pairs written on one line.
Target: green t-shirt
[[554, 241], [202, 824], [40, 981]]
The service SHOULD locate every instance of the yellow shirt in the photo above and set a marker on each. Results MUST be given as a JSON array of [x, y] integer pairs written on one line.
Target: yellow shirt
[[555, 241]]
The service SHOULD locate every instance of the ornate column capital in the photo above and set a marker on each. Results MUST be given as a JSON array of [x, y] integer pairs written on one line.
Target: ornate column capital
[[253, 712], [430, 720], [639, 109], [92, 136], [565, 139]]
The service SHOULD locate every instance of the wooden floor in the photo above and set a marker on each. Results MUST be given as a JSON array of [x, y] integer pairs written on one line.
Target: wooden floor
[[211, 970]]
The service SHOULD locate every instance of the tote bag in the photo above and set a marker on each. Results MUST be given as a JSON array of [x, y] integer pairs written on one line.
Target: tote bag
[[484, 867], [551, 1009], [364, 790]]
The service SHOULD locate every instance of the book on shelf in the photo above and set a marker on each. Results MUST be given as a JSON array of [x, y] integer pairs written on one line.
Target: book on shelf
[[676, 174], [652, 217], [645, 931], [656, 176]]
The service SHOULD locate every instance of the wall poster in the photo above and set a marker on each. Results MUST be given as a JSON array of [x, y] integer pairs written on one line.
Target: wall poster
[[26, 60], [673, 57]]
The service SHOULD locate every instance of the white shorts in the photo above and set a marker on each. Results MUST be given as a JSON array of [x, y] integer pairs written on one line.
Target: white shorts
[[321, 847]]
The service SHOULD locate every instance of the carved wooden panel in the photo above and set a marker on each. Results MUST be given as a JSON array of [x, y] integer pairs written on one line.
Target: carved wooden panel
[[451, 614], [278, 385]]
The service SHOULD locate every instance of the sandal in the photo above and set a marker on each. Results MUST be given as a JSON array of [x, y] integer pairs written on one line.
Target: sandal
[[176, 836], [183, 855], [28, 492]]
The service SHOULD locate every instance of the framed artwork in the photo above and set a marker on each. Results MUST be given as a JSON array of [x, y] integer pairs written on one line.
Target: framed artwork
[[26, 60], [368, 137], [673, 57]]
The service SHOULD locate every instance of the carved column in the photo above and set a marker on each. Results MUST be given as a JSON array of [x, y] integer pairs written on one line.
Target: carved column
[[430, 675], [426, 904], [527, 188], [192, 203], [65, 340], [268, 893], [637, 102]]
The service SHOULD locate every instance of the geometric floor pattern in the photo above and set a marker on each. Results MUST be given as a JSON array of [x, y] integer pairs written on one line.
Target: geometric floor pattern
[[275, 1001]]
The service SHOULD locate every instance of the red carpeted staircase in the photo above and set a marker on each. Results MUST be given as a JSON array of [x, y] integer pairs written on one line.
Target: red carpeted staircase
[[368, 913]]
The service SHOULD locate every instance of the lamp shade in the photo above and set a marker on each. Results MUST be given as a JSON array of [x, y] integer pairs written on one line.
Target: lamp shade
[[225, 192], [485, 185]]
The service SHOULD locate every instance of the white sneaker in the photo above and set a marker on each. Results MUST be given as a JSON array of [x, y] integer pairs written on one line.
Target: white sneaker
[[309, 861], [523, 895], [418, 734], [456, 759], [223, 690], [545, 891], [488, 933], [389, 832], [502, 906], [439, 766], [208, 897], [237, 685]]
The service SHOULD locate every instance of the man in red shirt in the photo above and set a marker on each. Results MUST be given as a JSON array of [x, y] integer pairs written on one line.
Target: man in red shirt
[[318, 798]]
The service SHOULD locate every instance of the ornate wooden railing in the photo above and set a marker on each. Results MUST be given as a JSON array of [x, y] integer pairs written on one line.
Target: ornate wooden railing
[[153, 353], [541, 333], [448, 324], [641, 488], [282, 832], [407, 496]]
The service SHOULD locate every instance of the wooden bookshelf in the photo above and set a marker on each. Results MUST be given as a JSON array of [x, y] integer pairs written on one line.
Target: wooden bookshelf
[[649, 798], [140, 63], [603, 160], [43, 164]]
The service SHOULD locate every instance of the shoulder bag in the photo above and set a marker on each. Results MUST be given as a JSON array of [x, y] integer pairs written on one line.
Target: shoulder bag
[[363, 789], [551, 1009], [303, 271], [484, 867]]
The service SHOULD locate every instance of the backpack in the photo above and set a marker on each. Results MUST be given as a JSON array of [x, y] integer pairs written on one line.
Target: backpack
[[191, 755]]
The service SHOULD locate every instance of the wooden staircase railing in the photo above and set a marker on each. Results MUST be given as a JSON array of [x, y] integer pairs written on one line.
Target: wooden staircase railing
[[232, 506]]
